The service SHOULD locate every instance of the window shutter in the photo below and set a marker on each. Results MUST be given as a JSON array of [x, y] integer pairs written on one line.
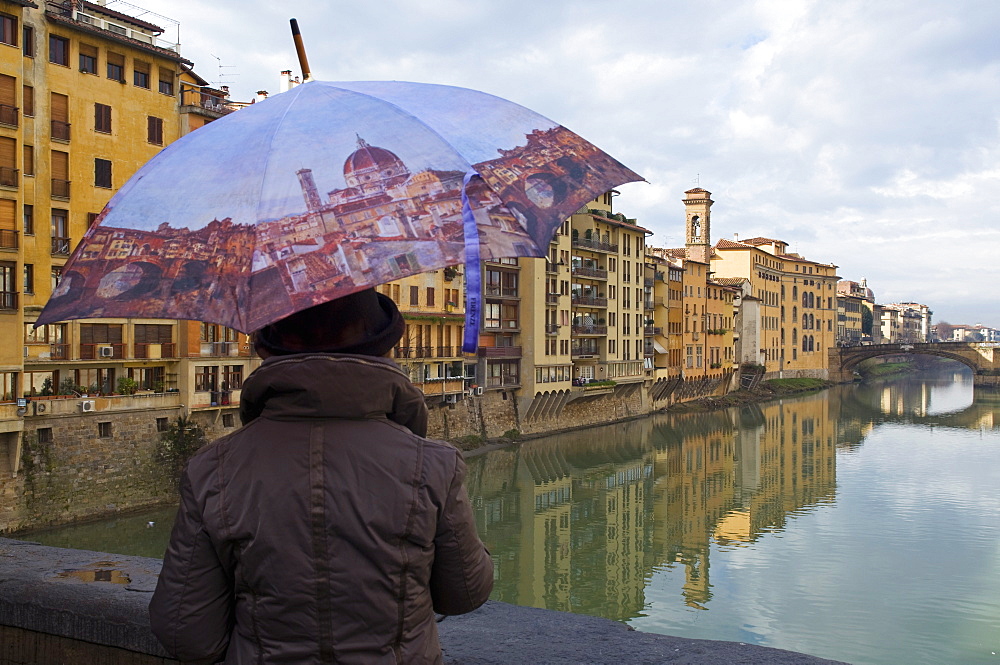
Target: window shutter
[[8, 212], [60, 107], [8, 90]]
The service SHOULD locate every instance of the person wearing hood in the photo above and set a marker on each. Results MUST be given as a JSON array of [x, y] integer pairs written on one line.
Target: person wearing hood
[[327, 529]]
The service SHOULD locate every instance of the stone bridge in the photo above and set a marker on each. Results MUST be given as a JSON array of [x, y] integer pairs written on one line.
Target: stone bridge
[[982, 358]]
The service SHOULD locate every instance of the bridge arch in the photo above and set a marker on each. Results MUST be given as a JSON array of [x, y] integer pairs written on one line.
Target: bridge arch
[[851, 356]]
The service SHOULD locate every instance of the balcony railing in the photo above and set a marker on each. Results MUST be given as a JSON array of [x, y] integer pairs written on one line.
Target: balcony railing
[[551, 267], [648, 304], [595, 245], [156, 350], [220, 349], [584, 271], [60, 130], [8, 239], [98, 351], [649, 331], [499, 352], [647, 281], [8, 176], [427, 352], [590, 330], [8, 115], [8, 300], [502, 292], [551, 329], [60, 246], [508, 380], [649, 351], [551, 298], [593, 301], [583, 351], [505, 324], [58, 351], [60, 188]]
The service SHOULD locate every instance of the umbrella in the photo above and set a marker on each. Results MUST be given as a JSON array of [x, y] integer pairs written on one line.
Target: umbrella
[[324, 190]]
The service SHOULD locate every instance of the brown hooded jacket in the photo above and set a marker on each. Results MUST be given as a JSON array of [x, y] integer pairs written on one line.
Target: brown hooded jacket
[[326, 530]]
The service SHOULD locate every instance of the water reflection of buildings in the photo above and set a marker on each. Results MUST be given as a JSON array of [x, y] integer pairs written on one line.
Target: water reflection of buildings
[[580, 522]]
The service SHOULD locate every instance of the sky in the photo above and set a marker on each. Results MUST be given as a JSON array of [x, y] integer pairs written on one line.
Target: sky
[[863, 133]]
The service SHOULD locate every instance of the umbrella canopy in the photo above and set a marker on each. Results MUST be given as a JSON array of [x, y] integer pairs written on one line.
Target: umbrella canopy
[[324, 190]]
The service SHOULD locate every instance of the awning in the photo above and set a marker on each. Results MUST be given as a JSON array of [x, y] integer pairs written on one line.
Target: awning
[[659, 347]]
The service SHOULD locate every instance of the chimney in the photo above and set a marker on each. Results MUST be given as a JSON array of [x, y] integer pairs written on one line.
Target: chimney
[[736, 237]]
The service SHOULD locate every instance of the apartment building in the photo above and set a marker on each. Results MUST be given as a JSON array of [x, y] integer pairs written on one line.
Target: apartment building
[[87, 95]]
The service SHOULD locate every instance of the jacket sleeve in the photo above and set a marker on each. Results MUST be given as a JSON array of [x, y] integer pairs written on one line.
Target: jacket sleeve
[[462, 574], [192, 609]]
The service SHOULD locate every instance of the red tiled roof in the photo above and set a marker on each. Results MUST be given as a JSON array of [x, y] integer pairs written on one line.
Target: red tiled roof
[[729, 244]]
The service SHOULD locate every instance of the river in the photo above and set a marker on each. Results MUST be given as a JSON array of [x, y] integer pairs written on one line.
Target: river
[[860, 524]]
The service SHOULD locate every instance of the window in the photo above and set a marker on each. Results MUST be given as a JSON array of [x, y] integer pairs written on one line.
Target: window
[[232, 377], [102, 173], [104, 430], [206, 378], [44, 434], [116, 67], [59, 50], [28, 101], [8, 162], [414, 296], [88, 59], [166, 81], [29, 219], [8, 285], [29, 278], [8, 29], [140, 74], [430, 296], [102, 118], [154, 130], [28, 41], [56, 275], [228, 420], [162, 424], [29, 160], [60, 232]]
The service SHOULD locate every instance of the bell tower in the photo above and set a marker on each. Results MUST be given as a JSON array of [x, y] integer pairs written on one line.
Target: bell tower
[[698, 238]]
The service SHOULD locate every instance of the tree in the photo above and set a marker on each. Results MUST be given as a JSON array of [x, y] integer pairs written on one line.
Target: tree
[[866, 320], [944, 330], [178, 443]]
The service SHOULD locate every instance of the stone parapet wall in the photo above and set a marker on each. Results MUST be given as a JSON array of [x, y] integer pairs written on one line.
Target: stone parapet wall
[[61, 606]]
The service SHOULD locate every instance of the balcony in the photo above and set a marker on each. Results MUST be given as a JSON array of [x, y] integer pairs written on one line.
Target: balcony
[[9, 115], [58, 351], [8, 239], [60, 130], [551, 268], [8, 300], [586, 271], [584, 350], [505, 381], [595, 245], [60, 247], [60, 188], [500, 292], [149, 351], [220, 349], [405, 352], [102, 351], [647, 281], [551, 298], [8, 176], [589, 330], [499, 352], [591, 301], [551, 329], [648, 304], [507, 325]]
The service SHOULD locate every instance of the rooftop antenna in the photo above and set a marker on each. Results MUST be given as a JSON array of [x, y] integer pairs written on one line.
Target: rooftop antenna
[[300, 50], [697, 179], [222, 74]]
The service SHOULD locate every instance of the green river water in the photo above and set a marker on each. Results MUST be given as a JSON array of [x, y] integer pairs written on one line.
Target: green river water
[[860, 524]]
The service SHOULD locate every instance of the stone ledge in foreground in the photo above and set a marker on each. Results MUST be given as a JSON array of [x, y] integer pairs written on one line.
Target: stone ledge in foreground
[[58, 600]]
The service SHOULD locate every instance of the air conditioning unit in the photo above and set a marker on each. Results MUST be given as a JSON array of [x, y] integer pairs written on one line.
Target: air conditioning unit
[[478, 390], [451, 399], [87, 405], [106, 351]]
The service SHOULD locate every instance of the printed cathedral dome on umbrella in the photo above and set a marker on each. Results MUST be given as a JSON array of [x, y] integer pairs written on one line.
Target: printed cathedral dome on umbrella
[[325, 190]]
